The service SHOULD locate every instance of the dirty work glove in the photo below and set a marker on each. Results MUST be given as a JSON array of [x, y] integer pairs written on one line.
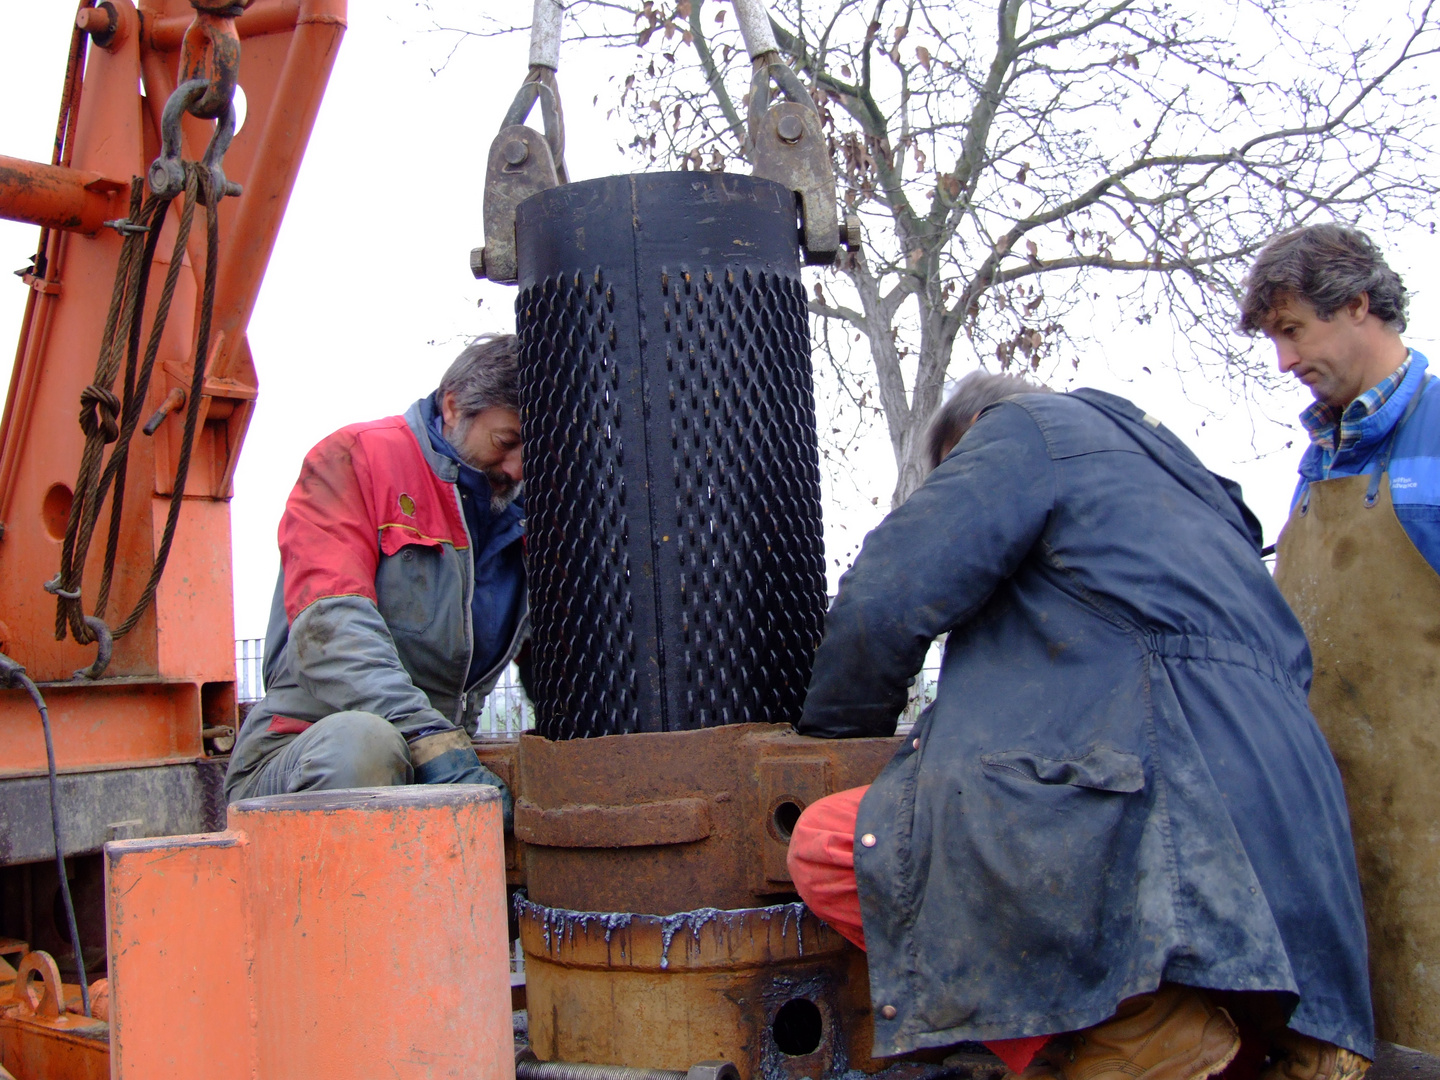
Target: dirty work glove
[[448, 758]]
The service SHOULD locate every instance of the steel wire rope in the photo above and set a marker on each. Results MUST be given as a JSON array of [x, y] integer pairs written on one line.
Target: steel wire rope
[[100, 408], [211, 198]]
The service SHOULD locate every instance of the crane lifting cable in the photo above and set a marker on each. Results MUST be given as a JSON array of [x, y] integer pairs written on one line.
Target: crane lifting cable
[[209, 65]]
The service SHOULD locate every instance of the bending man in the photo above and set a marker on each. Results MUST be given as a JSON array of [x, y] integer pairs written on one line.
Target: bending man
[[1118, 823]]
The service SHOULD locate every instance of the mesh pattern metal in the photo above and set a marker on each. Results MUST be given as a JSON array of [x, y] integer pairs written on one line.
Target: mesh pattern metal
[[674, 542], [577, 528], [747, 516]]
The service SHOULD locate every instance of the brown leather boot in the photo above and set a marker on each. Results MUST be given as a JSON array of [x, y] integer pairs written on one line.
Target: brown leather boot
[[1176, 1033], [1299, 1057]]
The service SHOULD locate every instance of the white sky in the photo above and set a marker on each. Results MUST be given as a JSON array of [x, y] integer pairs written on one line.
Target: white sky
[[369, 293]]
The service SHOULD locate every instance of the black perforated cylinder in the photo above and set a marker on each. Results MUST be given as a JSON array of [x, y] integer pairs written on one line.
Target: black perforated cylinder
[[672, 477]]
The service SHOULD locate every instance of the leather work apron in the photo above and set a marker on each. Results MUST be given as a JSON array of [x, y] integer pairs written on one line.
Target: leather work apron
[[1370, 605]]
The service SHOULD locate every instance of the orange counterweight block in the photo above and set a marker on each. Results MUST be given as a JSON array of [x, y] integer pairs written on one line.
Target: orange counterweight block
[[330, 933]]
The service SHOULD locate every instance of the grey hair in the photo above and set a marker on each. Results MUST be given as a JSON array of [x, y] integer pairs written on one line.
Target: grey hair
[[1326, 265], [484, 376], [972, 394]]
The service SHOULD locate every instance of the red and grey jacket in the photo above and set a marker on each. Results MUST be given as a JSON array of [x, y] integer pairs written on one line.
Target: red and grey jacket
[[372, 609]]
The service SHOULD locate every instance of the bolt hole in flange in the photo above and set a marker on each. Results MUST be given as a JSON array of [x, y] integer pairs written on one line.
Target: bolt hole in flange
[[798, 1027], [784, 817]]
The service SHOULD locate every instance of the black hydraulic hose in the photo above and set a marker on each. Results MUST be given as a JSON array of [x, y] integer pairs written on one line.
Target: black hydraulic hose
[[13, 675]]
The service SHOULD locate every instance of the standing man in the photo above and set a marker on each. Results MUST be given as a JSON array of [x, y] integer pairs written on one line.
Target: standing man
[[1357, 562], [1117, 833], [401, 595]]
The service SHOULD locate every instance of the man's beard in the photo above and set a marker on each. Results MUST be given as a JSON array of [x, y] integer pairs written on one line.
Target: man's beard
[[503, 490]]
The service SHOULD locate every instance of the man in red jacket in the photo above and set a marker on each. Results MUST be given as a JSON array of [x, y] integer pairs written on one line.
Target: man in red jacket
[[401, 595]]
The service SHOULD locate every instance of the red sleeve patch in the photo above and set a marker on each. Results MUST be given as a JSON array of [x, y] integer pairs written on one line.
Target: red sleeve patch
[[364, 490]]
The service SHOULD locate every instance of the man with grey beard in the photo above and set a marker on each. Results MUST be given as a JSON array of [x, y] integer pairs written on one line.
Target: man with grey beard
[[401, 595]]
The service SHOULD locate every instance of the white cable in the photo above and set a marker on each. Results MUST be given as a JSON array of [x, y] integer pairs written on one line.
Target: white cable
[[754, 19], [545, 34]]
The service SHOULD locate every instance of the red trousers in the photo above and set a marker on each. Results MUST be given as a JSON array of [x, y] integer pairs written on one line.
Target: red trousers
[[822, 865]]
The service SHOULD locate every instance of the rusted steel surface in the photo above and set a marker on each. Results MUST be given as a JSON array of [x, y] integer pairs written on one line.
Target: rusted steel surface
[[772, 989], [501, 756], [330, 933], [657, 823], [56, 197], [651, 824]]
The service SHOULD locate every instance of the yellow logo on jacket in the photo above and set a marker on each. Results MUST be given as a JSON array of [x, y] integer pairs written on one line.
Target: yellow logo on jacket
[[407, 505]]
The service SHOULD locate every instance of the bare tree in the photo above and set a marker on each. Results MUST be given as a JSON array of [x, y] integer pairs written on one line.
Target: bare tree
[[1015, 160]]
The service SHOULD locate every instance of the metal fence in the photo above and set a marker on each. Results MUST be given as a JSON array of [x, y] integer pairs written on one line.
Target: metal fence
[[923, 690], [249, 673], [507, 711]]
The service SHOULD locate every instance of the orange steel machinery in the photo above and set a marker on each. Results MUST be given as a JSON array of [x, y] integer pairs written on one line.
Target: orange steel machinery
[[135, 738]]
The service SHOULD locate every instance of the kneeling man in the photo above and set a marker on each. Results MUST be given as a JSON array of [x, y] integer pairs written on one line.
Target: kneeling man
[[1117, 832], [401, 595]]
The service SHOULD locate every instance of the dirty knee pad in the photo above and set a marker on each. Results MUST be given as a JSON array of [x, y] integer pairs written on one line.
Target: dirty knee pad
[[351, 750]]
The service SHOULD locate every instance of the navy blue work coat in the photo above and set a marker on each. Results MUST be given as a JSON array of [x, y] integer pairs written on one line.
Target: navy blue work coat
[[1120, 781]]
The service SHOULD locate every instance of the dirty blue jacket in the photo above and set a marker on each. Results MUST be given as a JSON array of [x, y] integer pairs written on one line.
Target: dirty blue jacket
[[373, 608], [1414, 462], [1119, 781]]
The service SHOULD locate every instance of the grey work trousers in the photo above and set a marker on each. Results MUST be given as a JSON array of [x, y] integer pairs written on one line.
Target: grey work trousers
[[342, 750]]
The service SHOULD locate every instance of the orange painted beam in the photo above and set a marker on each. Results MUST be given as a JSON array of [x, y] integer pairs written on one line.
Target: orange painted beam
[[55, 197], [110, 722]]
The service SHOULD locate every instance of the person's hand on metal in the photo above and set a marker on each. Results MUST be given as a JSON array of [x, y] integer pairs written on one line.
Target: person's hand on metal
[[448, 758]]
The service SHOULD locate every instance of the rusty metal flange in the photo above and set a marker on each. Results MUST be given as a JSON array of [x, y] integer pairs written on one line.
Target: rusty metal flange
[[670, 821], [772, 989]]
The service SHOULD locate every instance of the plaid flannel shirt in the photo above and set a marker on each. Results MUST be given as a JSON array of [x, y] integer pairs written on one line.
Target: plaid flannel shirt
[[1334, 435]]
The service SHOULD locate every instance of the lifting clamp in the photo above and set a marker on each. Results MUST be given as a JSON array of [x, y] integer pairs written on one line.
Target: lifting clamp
[[522, 162], [785, 143]]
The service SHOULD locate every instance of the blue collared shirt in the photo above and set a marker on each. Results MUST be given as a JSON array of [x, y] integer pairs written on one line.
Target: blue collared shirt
[[1335, 435], [1353, 445]]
